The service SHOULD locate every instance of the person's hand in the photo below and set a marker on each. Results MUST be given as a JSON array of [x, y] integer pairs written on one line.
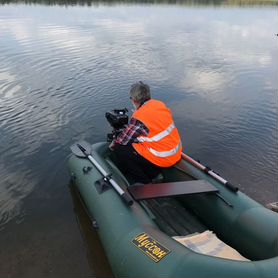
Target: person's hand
[[112, 145]]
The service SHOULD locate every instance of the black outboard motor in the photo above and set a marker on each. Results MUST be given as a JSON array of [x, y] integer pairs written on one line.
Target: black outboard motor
[[118, 119]]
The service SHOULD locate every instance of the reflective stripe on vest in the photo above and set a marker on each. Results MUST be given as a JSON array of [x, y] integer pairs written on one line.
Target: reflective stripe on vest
[[166, 153], [158, 136]]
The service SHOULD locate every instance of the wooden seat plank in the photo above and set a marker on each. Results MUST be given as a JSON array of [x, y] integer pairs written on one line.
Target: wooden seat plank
[[160, 190]]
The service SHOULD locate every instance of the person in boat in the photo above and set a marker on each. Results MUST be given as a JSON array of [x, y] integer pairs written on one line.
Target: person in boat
[[150, 140]]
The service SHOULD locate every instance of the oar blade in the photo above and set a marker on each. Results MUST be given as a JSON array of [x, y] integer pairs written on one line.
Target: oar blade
[[78, 152]]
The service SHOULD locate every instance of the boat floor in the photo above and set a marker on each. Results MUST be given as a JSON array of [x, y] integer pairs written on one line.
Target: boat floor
[[168, 213], [173, 218]]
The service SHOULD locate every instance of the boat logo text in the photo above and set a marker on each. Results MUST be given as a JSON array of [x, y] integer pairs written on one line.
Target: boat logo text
[[150, 247]]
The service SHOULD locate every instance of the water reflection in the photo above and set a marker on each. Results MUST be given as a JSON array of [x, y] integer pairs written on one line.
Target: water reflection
[[60, 70]]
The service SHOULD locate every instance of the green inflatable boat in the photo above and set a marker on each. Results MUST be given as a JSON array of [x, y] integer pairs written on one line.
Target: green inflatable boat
[[191, 223]]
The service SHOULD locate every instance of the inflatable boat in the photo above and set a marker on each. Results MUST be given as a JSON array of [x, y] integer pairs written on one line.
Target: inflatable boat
[[189, 223]]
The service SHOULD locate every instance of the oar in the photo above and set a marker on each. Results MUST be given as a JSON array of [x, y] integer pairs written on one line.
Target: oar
[[83, 149], [209, 172]]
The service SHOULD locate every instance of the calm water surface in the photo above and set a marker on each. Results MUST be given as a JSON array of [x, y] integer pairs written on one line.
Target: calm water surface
[[62, 68]]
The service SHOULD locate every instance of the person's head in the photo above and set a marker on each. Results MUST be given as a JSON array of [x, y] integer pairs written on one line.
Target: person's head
[[139, 93]]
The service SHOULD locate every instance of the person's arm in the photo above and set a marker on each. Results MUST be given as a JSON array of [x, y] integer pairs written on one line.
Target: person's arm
[[134, 129]]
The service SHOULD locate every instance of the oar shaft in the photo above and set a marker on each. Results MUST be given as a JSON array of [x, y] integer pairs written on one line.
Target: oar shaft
[[209, 172], [121, 192], [85, 148], [105, 174]]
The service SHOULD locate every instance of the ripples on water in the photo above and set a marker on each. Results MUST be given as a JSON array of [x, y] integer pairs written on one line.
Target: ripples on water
[[62, 68]]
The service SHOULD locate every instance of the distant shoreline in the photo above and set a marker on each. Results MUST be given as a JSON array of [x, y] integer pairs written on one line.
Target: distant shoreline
[[178, 2]]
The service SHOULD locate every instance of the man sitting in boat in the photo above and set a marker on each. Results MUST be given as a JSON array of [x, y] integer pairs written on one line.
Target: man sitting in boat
[[150, 140]]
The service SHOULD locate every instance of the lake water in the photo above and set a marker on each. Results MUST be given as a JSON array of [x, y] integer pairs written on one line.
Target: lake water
[[62, 67]]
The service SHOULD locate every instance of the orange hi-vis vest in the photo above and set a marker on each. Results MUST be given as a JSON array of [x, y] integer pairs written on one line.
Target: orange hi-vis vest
[[162, 146]]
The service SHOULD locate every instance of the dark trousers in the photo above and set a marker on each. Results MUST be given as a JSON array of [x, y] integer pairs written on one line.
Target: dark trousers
[[134, 165]]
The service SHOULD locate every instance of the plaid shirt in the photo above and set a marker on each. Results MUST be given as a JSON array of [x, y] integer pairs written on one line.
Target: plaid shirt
[[134, 129]]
